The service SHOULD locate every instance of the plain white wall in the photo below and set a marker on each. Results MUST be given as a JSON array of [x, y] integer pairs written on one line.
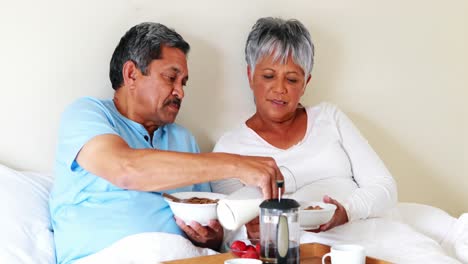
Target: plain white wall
[[397, 68]]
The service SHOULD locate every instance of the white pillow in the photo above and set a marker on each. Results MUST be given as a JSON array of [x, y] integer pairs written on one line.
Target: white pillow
[[25, 230]]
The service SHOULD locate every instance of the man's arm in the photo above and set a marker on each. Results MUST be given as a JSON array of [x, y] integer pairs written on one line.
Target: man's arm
[[110, 157]]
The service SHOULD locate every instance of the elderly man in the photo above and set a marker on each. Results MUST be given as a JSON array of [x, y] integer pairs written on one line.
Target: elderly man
[[115, 156]]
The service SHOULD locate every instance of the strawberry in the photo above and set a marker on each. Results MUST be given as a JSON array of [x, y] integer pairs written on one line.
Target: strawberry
[[238, 247], [250, 248], [250, 254], [257, 248]]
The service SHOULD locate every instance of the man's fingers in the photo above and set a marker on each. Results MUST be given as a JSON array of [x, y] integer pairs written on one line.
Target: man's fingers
[[193, 230], [215, 226], [195, 225], [186, 228], [266, 191], [199, 229], [256, 220], [274, 189], [262, 172], [180, 223], [279, 175]]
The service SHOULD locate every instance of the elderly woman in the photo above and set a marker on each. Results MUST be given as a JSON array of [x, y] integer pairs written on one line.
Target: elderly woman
[[322, 152]]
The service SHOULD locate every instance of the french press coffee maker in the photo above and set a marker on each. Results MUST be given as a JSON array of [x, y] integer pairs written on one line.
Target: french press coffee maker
[[279, 231]]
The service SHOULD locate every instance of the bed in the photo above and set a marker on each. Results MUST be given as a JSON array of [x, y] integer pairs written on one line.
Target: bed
[[414, 233]]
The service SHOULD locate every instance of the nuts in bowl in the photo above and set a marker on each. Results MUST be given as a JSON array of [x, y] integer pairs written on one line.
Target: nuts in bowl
[[314, 214], [246, 248], [194, 206]]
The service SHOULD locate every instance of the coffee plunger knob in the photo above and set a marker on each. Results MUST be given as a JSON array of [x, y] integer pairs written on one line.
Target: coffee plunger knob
[[280, 185]]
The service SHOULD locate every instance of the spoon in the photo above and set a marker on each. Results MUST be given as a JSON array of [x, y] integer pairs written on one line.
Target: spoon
[[173, 198]]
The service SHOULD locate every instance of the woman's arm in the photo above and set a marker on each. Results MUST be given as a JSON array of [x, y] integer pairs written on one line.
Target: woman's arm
[[377, 190]]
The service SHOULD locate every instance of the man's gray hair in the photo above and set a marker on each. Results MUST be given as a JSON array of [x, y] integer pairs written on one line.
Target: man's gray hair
[[142, 44], [280, 38]]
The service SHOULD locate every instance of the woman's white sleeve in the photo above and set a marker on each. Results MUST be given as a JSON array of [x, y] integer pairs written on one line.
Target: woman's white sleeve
[[377, 190]]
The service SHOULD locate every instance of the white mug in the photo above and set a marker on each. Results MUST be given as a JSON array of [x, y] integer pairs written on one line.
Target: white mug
[[239, 208], [346, 254]]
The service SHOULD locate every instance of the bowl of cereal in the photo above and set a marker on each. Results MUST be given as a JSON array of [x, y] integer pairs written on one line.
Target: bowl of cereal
[[194, 206], [314, 214]]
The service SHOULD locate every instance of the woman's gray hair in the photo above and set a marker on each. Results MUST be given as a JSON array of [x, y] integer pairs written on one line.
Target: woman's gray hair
[[280, 38], [142, 44]]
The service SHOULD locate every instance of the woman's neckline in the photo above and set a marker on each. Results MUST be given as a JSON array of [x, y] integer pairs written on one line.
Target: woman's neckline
[[308, 112]]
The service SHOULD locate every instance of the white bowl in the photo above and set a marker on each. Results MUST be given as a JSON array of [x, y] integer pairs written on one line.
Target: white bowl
[[312, 219], [201, 213]]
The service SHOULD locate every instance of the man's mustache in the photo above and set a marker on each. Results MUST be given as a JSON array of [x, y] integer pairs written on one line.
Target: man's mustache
[[175, 100]]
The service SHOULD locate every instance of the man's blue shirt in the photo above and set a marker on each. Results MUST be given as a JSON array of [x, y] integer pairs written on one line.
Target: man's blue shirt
[[88, 212]]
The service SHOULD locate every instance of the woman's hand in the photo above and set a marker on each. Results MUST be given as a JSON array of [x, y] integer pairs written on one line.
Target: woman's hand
[[253, 228], [339, 218], [210, 236]]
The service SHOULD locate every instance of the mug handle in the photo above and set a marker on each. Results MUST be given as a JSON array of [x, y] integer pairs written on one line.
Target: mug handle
[[325, 256]]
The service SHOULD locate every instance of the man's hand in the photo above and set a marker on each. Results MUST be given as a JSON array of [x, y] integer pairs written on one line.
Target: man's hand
[[261, 172], [210, 236], [253, 228], [339, 218]]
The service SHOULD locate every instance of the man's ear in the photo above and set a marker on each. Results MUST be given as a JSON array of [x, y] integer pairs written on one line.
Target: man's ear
[[129, 72]]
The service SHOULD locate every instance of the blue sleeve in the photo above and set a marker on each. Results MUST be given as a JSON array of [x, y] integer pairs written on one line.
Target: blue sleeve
[[83, 120], [202, 187]]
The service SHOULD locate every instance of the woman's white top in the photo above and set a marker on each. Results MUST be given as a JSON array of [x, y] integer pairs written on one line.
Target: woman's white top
[[332, 159]]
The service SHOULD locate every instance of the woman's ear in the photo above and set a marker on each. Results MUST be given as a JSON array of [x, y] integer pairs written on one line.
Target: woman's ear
[[249, 72], [307, 82], [129, 72]]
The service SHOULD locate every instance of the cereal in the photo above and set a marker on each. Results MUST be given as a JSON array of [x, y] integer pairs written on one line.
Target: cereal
[[313, 208], [198, 200]]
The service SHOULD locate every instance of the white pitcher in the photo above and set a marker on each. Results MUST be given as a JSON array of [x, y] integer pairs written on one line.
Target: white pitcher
[[240, 207]]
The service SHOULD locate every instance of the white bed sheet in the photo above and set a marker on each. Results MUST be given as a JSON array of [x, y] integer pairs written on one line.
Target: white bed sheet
[[385, 239], [430, 235], [147, 248]]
